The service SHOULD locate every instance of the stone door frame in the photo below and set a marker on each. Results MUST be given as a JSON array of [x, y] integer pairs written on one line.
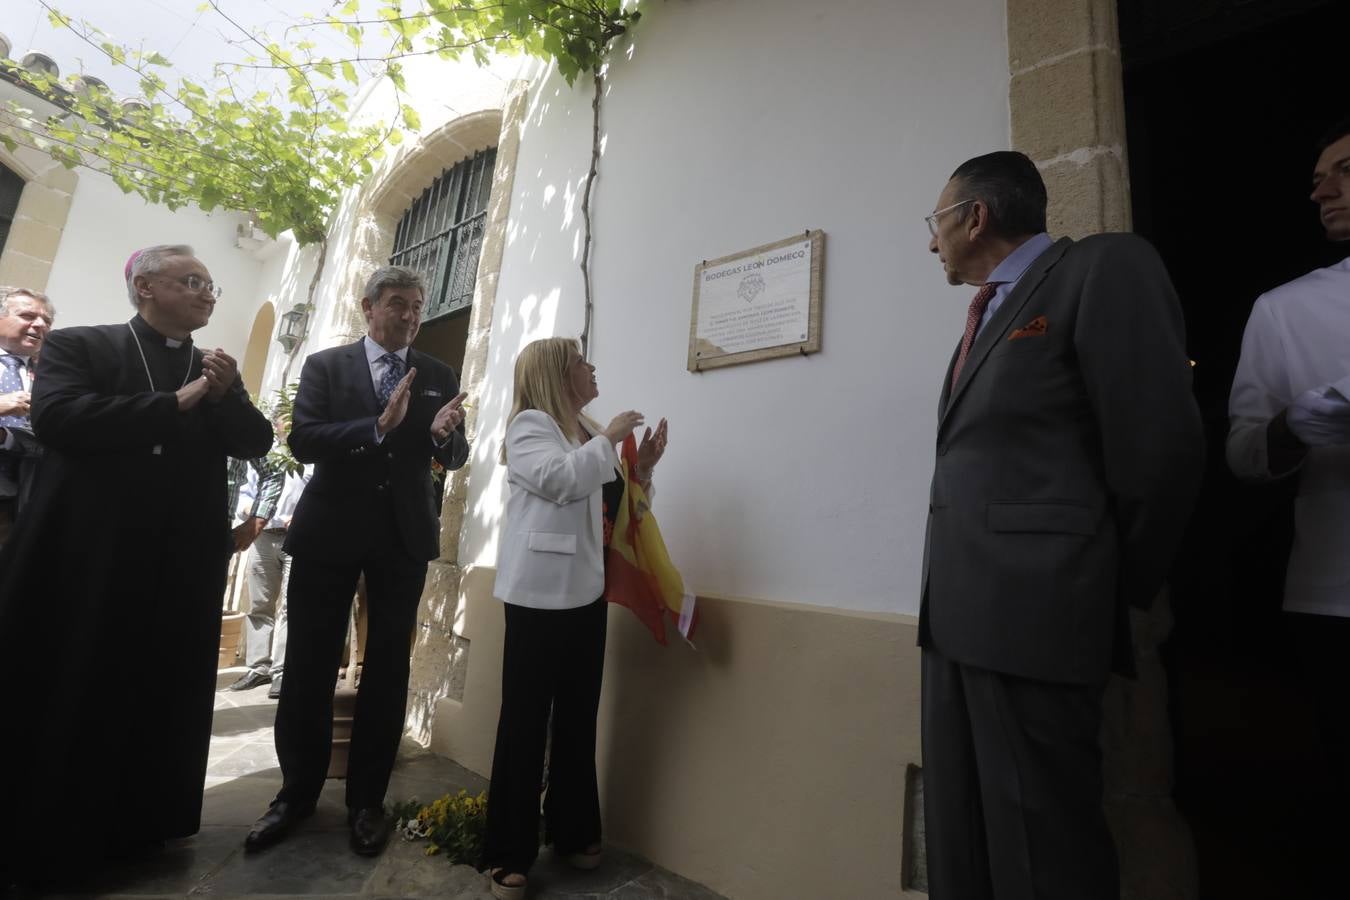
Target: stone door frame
[[1066, 103]]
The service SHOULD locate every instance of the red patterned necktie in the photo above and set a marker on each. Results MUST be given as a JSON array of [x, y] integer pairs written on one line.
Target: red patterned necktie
[[978, 304]]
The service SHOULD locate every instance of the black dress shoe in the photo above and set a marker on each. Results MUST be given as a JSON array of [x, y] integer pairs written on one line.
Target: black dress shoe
[[249, 680], [275, 824], [370, 830], [274, 692]]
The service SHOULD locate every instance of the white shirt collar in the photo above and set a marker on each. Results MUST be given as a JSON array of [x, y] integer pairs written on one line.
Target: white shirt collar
[[374, 351]]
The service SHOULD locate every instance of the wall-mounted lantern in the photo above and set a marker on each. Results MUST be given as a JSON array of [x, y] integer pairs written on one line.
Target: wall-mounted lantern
[[294, 325]]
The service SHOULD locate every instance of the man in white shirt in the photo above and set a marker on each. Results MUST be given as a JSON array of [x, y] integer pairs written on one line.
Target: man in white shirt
[[25, 318], [1289, 415], [268, 566]]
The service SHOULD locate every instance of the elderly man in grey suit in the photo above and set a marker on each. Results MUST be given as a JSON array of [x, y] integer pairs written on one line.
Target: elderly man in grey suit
[[1069, 453]]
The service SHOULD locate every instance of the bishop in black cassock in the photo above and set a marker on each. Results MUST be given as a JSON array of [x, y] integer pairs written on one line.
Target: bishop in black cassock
[[119, 566]]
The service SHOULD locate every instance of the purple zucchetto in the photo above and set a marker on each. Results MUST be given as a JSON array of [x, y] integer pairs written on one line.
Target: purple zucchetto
[[131, 261]]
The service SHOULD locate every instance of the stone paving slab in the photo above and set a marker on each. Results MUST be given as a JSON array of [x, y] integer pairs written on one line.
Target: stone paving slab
[[315, 861]]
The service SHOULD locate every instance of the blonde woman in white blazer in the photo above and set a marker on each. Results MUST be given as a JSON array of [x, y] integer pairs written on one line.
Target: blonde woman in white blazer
[[566, 484]]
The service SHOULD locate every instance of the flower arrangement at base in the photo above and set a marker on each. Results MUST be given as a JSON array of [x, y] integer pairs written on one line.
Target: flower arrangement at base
[[453, 826]]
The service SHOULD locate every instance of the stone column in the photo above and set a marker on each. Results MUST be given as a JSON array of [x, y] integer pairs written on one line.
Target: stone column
[[440, 653], [40, 219], [1068, 109]]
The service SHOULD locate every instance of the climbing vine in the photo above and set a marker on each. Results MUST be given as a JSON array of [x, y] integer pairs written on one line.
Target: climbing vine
[[287, 154]]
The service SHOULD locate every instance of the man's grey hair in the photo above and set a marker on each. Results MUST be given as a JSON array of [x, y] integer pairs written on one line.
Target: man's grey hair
[[391, 277], [9, 294], [150, 261]]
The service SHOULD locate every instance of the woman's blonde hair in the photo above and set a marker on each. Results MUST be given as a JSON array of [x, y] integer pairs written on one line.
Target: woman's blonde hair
[[541, 383]]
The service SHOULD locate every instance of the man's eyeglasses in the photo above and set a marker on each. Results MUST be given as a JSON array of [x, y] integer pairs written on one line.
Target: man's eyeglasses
[[932, 217], [197, 285]]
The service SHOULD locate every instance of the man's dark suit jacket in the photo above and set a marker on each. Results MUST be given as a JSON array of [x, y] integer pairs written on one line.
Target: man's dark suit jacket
[[1069, 455], [27, 451], [333, 426]]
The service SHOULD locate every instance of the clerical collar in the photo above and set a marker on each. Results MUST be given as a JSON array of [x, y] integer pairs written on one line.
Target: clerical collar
[[148, 331]]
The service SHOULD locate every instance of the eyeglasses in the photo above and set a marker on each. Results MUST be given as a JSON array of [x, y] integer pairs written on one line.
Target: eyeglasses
[[197, 285], [932, 217]]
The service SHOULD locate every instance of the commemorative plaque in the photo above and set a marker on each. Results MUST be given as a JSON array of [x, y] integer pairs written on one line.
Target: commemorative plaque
[[758, 304]]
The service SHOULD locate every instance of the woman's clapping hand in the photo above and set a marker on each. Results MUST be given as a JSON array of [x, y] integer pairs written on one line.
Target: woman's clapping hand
[[622, 425], [650, 450]]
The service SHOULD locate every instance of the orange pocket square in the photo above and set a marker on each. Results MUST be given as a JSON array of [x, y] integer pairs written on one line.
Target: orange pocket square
[[1035, 328]]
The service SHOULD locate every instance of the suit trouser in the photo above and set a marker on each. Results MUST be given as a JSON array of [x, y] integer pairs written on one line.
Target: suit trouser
[[319, 600], [1012, 773], [265, 627], [7, 507], [551, 659], [1322, 644]]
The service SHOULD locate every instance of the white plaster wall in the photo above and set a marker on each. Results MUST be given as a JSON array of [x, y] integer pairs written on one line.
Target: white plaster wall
[[104, 228], [727, 125]]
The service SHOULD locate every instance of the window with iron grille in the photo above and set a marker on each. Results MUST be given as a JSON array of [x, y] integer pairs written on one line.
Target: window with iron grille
[[442, 232], [11, 186]]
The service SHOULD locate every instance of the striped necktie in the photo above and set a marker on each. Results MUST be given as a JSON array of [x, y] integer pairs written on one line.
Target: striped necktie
[[978, 304], [393, 371], [11, 382]]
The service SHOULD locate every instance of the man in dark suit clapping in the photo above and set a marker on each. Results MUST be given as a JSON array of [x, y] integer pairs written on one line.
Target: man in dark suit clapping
[[1068, 455], [371, 416]]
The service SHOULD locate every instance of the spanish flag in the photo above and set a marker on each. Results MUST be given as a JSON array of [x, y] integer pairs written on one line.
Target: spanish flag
[[638, 570]]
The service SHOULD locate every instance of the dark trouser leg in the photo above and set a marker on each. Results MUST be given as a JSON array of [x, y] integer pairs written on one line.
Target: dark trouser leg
[[958, 859], [393, 591], [7, 505], [528, 654], [319, 597], [1036, 784], [1323, 647], [572, 802]]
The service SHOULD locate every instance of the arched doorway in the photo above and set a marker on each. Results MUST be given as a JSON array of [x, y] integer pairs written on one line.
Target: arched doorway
[[255, 355]]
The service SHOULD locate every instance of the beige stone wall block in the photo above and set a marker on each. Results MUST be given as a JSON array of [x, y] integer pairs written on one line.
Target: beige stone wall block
[[457, 486], [1069, 104], [43, 204], [452, 521], [60, 178], [1089, 198], [494, 244], [393, 204], [1045, 29], [759, 740], [33, 238], [440, 597], [476, 345], [434, 647], [431, 649], [25, 271], [437, 674], [453, 513], [475, 132], [31, 164], [485, 297]]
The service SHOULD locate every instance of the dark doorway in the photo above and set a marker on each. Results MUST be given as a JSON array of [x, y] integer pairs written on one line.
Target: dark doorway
[[1224, 99]]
